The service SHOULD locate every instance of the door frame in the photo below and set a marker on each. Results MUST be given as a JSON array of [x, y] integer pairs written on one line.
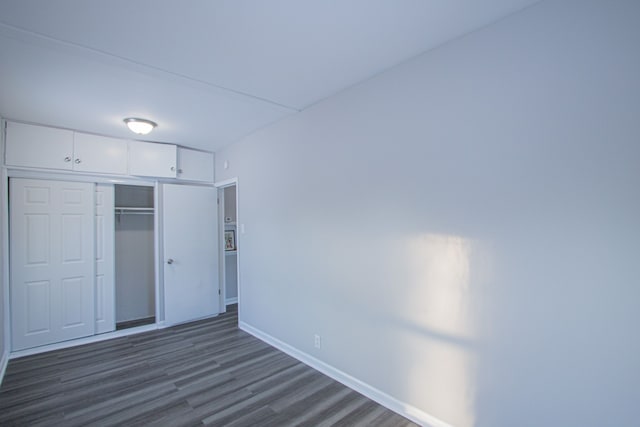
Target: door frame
[[221, 185], [4, 266]]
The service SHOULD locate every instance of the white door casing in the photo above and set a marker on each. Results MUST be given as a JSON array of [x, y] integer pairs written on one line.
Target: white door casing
[[105, 259], [190, 233], [52, 265]]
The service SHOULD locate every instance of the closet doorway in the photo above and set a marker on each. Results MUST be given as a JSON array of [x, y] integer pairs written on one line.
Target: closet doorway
[[135, 299], [82, 259], [229, 214]]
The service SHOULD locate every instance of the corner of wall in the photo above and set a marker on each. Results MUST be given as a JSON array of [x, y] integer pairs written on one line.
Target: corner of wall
[[4, 360]]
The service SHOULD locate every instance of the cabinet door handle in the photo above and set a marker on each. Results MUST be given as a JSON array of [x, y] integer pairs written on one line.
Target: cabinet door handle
[[173, 168], [67, 159], [169, 261], [78, 161]]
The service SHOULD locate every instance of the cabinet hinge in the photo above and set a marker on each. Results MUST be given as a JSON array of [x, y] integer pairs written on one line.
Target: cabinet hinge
[[219, 292]]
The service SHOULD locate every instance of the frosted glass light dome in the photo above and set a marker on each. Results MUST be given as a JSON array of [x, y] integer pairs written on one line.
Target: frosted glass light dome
[[140, 126]]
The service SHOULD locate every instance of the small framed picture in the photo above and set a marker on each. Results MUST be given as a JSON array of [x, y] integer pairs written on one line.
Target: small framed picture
[[229, 240]]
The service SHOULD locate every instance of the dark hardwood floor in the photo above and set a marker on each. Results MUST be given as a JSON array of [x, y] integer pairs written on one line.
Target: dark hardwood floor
[[207, 372], [134, 323]]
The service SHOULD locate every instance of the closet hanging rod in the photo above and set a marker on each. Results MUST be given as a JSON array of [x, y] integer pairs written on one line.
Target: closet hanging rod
[[134, 211]]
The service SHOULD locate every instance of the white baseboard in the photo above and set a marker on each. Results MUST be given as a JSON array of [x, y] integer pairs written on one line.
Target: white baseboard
[[230, 301], [82, 341], [411, 412], [3, 365], [99, 337]]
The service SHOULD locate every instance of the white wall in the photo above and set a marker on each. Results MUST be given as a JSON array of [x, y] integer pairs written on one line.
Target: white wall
[[230, 203], [231, 259], [135, 278], [463, 230], [231, 277], [2, 286]]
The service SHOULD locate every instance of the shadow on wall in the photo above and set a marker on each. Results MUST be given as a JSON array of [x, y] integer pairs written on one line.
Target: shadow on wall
[[540, 339], [436, 326]]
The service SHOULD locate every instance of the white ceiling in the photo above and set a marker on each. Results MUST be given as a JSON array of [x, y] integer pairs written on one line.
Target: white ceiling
[[208, 71]]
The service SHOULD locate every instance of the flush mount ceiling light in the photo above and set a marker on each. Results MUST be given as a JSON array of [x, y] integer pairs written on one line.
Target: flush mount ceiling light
[[140, 126]]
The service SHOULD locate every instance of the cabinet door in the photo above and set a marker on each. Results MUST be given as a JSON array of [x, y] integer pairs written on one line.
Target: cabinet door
[[99, 154], [38, 146], [195, 165], [52, 261], [151, 159]]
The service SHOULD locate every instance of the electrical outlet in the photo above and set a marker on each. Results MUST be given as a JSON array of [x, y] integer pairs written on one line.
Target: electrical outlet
[[318, 341]]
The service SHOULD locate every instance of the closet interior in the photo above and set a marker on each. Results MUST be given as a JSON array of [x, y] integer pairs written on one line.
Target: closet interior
[[134, 256]]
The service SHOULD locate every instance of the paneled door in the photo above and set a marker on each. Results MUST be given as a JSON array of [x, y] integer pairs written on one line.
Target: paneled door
[[190, 236], [105, 259], [52, 261]]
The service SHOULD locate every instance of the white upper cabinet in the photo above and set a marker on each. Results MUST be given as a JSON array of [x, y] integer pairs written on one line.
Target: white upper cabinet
[[151, 159], [99, 154], [50, 148], [39, 146], [43, 147], [195, 165]]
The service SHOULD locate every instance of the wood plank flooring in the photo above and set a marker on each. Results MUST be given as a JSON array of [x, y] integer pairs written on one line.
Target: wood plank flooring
[[134, 323], [202, 373]]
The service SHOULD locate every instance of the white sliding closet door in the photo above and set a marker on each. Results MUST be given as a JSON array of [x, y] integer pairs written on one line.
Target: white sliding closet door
[[190, 236], [52, 261], [105, 259]]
